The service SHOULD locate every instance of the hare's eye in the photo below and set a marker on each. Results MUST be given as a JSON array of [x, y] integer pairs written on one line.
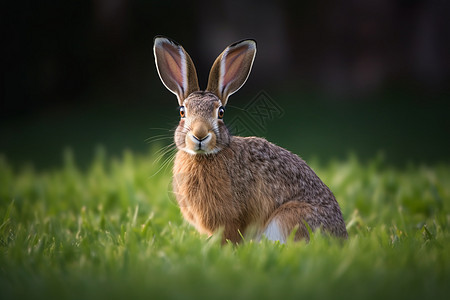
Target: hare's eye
[[182, 112], [221, 112]]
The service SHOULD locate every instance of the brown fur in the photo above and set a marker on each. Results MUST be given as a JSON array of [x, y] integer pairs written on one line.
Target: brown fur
[[238, 63], [169, 61], [279, 184], [237, 183]]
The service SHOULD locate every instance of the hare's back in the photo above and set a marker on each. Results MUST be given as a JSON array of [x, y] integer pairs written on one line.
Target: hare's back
[[284, 174], [261, 154]]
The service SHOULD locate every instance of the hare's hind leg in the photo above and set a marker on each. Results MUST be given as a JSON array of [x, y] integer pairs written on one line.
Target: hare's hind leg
[[285, 218]]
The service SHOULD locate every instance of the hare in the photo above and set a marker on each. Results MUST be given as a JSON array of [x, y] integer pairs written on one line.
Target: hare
[[237, 184]]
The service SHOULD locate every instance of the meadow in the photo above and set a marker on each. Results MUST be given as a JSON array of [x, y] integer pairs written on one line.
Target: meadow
[[112, 230]]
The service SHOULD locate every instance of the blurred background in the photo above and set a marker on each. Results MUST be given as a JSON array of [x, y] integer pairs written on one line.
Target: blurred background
[[363, 77]]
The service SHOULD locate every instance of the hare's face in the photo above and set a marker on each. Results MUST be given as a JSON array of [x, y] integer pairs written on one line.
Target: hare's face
[[201, 129]]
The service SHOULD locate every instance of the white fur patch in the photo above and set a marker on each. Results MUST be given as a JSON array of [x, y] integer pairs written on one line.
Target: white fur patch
[[273, 232], [184, 74]]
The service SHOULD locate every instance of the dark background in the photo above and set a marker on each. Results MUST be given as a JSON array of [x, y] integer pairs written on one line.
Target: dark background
[[366, 77]]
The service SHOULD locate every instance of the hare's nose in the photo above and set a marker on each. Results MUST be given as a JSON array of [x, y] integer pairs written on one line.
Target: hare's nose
[[200, 131]]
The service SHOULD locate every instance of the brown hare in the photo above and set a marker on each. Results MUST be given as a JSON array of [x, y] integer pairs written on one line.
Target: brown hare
[[237, 184]]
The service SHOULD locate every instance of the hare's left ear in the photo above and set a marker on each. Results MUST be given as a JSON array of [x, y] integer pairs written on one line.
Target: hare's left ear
[[231, 69], [175, 68]]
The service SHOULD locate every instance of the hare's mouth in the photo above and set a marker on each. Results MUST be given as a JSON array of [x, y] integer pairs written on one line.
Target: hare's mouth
[[203, 145]]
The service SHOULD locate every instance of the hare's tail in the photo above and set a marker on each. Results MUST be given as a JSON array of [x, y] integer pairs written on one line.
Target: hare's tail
[[303, 217]]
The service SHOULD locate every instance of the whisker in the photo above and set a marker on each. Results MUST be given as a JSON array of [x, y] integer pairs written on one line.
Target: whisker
[[236, 107], [165, 163], [157, 128], [171, 154], [163, 151], [157, 138]]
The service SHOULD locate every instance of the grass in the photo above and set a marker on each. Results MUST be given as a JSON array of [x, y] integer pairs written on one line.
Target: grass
[[114, 231]]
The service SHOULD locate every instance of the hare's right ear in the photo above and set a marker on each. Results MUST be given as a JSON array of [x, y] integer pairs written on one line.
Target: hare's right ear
[[231, 69], [175, 68]]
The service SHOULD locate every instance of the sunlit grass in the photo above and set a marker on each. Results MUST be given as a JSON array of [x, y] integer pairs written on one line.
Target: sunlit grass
[[114, 231]]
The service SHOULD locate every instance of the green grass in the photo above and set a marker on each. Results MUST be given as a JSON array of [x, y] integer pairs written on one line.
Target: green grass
[[114, 231]]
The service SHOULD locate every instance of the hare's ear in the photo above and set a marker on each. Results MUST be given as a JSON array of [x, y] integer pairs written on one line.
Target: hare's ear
[[231, 69], [175, 68]]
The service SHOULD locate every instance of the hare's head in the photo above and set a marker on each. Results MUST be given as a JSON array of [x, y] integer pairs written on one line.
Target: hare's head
[[201, 129]]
